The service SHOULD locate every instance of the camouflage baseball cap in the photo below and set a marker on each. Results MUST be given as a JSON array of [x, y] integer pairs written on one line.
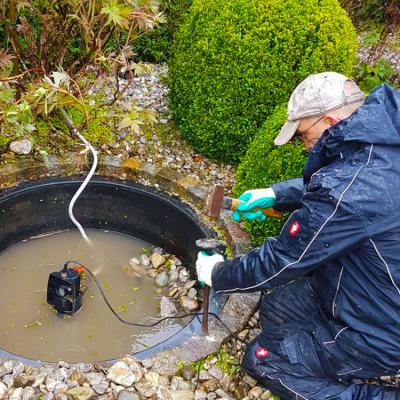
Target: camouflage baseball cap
[[315, 96]]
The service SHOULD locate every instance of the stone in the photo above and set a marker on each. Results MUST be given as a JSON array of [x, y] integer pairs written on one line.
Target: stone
[[188, 372], [28, 394], [249, 380], [147, 363], [134, 366], [144, 260], [94, 378], [225, 383], [255, 393], [188, 303], [19, 368], [159, 250], [121, 374], [175, 260], [60, 396], [17, 394], [3, 371], [216, 372], [23, 146], [152, 273], [9, 366], [134, 261], [85, 367], [203, 376], [211, 385], [39, 379], [8, 380], [219, 392], [56, 386], [200, 395], [184, 275], [173, 276], [163, 393], [162, 279], [163, 381], [101, 387], [157, 260], [152, 377], [115, 389], [145, 388], [54, 376], [178, 383], [167, 307], [182, 395], [81, 393], [3, 390], [267, 395], [189, 285], [23, 380], [128, 395]]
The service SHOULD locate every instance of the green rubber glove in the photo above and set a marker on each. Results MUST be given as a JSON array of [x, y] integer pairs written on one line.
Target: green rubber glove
[[257, 198]]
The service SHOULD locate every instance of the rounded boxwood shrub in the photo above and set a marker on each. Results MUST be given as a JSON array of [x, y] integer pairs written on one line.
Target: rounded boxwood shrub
[[232, 61], [265, 164]]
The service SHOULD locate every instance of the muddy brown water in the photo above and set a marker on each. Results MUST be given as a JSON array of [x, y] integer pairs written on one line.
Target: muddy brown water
[[29, 328]]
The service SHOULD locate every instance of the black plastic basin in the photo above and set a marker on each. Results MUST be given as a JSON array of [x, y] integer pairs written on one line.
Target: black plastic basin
[[42, 207]]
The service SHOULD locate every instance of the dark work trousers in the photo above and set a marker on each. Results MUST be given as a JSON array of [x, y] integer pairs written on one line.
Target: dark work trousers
[[295, 355]]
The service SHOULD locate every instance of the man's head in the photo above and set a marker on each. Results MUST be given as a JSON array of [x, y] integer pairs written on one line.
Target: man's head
[[320, 101]]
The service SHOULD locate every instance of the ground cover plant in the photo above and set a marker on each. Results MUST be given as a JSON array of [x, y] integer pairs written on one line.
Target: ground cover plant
[[233, 61]]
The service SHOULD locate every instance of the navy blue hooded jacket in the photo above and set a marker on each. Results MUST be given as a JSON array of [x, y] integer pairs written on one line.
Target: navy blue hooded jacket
[[345, 232]]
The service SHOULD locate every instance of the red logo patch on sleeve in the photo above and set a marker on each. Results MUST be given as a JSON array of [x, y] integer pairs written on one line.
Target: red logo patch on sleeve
[[261, 352], [294, 228]]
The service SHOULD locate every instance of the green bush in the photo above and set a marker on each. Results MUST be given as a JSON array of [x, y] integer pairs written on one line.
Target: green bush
[[233, 61], [265, 164], [154, 46]]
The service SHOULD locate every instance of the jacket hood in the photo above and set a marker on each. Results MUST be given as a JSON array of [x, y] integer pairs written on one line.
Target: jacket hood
[[376, 122]]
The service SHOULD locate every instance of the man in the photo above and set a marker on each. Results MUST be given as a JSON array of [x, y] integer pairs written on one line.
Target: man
[[334, 317]]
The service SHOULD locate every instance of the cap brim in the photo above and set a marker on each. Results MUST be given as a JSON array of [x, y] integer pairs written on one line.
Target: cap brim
[[287, 132]]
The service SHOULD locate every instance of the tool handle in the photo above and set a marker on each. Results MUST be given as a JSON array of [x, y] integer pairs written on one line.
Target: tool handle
[[269, 212], [208, 252]]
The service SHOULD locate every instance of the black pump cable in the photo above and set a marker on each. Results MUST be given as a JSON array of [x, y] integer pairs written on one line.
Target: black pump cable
[[197, 314]]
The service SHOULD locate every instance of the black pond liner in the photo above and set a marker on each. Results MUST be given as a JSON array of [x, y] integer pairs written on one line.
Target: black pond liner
[[41, 207]]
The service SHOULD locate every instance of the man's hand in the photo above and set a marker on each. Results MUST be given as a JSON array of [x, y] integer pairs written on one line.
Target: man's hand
[[205, 265], [257, 198]]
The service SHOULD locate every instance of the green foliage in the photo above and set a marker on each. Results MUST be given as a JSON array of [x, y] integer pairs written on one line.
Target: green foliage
[[44, 66], [154, 46], [365, 11], [233, 61], [228, 363], [48, 36], [370, 76], [372, 37], [265, 164]]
